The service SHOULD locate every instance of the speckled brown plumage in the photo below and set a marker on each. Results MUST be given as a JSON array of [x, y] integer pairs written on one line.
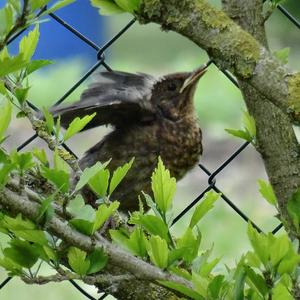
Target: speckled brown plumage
[[152, 117]]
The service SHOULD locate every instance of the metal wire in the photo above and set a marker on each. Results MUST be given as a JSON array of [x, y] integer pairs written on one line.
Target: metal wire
[[100, 57]]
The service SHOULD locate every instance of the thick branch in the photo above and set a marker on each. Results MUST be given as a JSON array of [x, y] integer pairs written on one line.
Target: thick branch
[[276, 140], [230, 46]]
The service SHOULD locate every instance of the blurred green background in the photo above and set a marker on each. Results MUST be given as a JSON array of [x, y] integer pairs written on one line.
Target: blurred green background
[[219, 105]]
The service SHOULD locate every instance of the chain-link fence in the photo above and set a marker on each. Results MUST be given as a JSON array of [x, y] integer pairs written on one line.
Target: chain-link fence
[[101, 61]]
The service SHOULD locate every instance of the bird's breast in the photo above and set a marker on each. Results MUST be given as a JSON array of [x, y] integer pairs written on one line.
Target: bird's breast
[[180, 145]]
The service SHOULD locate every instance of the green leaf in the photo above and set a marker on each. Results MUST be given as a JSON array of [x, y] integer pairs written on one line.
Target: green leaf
[[23, 161], [249, 124], [80, 210], [77, 125], [278, 248], [259, 243], [88, 173], [21, 94], [282, 55], [128, 5], [267, 192], [28, 43], [182, 289], [37, 64], [60, 178], [46, 210], [240, 278], [215, 286], [293, 208], [32, 235], [107, 7], [83, 226], [103, 213], [59, 163], [99, 182], [35, 4], [280, 292], [135, 244], [239, 133], [12, 64], [163, 187], [11, 266], [257, 281], [98, 260], [157, 249], [201, 210], [78, 261], [191, 243], [249, 131], [22, 253], [58, 5], [5, 169], [119, 175], [41, 155], [153, 224], [6, 110], [49, 120]]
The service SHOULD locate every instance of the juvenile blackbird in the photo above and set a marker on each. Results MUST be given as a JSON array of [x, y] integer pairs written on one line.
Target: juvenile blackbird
[[151, 117]]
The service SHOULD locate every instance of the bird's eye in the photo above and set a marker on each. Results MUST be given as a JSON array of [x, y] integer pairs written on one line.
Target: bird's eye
[[172, 86]]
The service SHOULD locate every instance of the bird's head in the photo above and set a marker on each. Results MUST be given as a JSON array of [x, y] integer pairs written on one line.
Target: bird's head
[[173, 94]]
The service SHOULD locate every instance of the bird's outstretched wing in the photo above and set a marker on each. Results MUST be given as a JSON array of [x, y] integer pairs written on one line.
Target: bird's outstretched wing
[[116, 97]]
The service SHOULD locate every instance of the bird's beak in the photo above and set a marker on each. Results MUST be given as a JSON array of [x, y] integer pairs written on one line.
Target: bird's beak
[[193, 77]]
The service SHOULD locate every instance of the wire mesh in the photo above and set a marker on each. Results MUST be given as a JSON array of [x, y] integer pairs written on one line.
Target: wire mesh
[[100, 61]]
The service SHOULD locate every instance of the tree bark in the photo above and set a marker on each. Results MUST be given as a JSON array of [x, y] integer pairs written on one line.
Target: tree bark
[[276, 140], [230, 46]]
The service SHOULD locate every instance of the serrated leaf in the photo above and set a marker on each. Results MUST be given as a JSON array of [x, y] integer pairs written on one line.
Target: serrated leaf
[[282, 55], [107, 7], [240, 278], [80, 210], [32, 235], [49, 120], [88, 173], [103, 213], [259, 243], [22, 252], [6, 111], [201, 210], [28, 43], [21, 94], [23, 161], [83, 226], [41, 155], [11, 266], [182, 289], [35, 4], [267, 192], [12, 64], [78, 261], [191, 243], [215, 286], [118, 175], [157, 249], [34, 65], [98, 260], [77, 125], [278, 248], [136, 243], [153, 225], [99, 182], [163, 187], [60, 178], [46, 209], [249, 124], [280, 292], [257, 280]]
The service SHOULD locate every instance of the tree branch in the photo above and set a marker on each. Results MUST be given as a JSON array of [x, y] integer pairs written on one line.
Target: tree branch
[[118, 258], [230, 46]]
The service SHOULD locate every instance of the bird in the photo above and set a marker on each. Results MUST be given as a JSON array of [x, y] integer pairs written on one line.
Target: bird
[[151, 117]]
